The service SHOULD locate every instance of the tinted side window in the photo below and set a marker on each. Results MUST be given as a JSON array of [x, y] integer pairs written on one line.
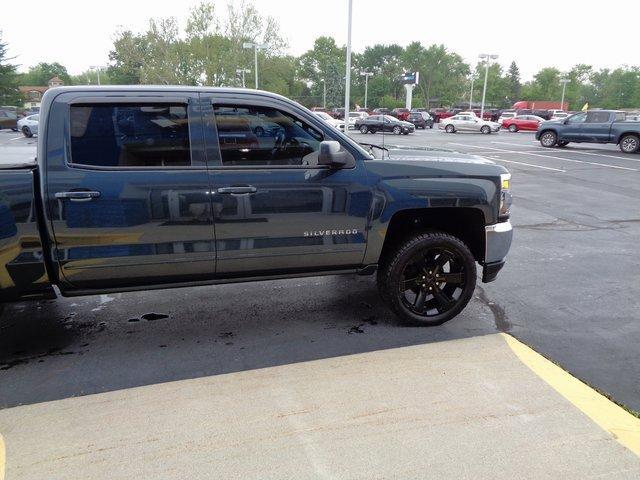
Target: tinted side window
[[579, 118], [130, 135], [598, 117], [259, 136]]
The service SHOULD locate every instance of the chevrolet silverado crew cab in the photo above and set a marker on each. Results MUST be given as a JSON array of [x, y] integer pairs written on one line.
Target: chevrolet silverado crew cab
[[593, 126], [154, 187]]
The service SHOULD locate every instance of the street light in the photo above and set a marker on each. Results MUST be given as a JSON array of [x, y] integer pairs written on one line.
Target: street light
[[242, 71], [366, 76], [564, 82], [348, 75], [487, 57], [256, 47], [97, 69]]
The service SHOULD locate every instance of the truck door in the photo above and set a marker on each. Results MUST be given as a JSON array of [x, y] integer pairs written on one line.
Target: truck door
[[573, 130], [127, 190], [276, 210], [597, 126]]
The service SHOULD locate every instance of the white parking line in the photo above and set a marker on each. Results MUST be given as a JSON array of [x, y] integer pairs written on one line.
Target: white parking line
[[592, 152], [15, 138], [501, 150], [527, 164]]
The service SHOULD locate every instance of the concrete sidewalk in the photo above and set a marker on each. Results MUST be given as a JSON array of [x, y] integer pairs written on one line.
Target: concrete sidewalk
[[457, 409]]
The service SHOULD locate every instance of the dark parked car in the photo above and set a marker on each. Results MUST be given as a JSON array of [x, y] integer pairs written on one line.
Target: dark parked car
[[593, 126], [381, 111], [8, 119], [139, 188], [384, 123], [421, 120], [337, 113]]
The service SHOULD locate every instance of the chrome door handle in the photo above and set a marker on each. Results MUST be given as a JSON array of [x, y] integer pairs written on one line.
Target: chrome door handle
[[78, 195], [244, 190]]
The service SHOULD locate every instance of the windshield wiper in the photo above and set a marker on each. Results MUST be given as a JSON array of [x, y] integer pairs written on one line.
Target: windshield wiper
[[371, 145]]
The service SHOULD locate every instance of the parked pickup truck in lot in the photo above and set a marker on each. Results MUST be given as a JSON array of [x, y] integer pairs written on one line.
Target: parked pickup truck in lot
[[593, 126], [154, 187]]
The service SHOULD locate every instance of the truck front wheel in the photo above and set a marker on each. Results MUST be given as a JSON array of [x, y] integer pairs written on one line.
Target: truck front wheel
[[428, 279], [629, 144], [548, 139]]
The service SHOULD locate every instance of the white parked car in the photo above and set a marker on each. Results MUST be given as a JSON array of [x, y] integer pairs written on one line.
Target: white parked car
[[353, 116], [558, 115], [506, 115], [467, 123], [29, 125], [339, 124]]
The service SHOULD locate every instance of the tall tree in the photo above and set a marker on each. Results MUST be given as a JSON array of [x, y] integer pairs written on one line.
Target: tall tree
[[41, 73], [9, 94], [513, 83], [325, 62]]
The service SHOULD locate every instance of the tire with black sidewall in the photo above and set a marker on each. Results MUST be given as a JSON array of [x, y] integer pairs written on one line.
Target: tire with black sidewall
[[364, 129], [450, 129], [629, 143], [562, 143], [397, 130], [513, 128], [548, 139], [390, 276], [485, 129], [26, 131]]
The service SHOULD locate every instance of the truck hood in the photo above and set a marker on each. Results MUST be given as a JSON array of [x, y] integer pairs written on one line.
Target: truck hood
[[405, 162]]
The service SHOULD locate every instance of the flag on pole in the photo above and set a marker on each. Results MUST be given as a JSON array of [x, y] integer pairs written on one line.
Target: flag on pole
[[585, 107]]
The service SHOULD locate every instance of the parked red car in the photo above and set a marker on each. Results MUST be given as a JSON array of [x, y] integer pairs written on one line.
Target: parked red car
[[401, 113], [522, 122]]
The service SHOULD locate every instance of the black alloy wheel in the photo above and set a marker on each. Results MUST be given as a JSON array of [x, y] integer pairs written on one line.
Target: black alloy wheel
[[430, 279]]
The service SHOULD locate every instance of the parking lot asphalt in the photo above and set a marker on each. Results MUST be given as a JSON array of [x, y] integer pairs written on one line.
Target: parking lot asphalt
[[569, 290]]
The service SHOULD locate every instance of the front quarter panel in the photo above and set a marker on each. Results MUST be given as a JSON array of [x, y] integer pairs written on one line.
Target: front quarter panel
[[420, 185]]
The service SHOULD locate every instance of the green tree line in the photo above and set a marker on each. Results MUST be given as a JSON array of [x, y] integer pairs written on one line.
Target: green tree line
[[208, 50]]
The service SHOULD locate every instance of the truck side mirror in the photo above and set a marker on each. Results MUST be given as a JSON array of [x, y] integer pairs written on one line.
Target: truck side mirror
[[331, 155]]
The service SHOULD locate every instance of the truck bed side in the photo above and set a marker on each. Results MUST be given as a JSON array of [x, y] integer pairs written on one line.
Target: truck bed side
[[22, 265]]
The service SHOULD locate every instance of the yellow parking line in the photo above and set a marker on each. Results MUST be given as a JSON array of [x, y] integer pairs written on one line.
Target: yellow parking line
[[2, 458], [623, 426]]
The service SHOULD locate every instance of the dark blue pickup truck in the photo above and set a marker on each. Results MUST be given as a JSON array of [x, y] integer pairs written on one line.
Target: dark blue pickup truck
[[593, 126], [154, 187]]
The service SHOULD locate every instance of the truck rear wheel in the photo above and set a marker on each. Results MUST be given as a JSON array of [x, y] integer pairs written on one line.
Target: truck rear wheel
[[429, 279], [629, 144]]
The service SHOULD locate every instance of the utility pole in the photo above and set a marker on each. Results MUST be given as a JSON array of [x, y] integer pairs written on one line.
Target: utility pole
[[366, 76], [348, 75], [324, 93], [473, 78], [97, 69], [487, 57]]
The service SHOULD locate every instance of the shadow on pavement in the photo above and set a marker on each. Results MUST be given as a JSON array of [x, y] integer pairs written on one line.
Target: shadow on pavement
[[77, 346]]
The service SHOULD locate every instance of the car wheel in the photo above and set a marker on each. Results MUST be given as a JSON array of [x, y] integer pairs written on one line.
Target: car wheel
[[397, 130], [431, 126], [14, 129], [548, 139], [26, 131], [450, 128], [562, 143], [629, 144], [364, 129], [405, 133], [485, 129], [429, 279], [513, 128]]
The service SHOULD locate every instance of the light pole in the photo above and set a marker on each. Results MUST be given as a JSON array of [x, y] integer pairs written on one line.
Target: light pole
[[348, 75], [324, 93], [487, 57], [242, 71], [256, 47], [366, 76], [97, 69], [564, 82]]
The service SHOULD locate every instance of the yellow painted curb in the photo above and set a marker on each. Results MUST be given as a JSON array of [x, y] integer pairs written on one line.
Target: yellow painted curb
[[2, 458], [623, 426]]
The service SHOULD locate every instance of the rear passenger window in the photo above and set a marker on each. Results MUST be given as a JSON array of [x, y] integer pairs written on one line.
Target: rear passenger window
[[130, 135], [263, 136], [598, 117]]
